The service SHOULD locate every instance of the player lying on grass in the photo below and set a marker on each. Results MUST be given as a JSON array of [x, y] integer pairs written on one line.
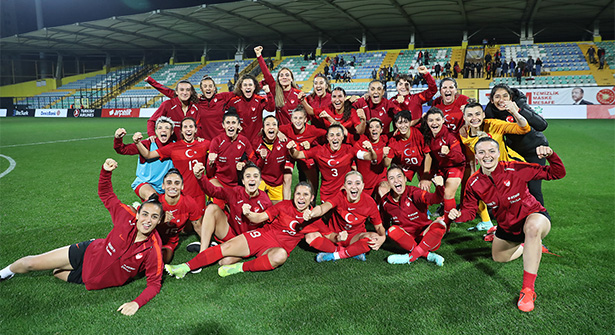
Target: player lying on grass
[[345, 236], [225, 223], [271, 244], [132, 246], [149, 172], [406, 208], [522, 221]]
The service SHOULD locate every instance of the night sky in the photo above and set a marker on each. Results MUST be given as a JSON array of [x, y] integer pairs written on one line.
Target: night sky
[[63, 12]]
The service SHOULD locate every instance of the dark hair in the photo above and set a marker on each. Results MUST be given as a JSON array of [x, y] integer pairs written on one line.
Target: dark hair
[[336, 125], [448, 79], [404, 77], [207, 77], [402, 115], [395, 167], [187, 118], [153, 199], [269, 116], [231, 113], [374, 119], [243, 77], [347, 105], [249, 164], [193, 95], [173, 171], [500, 87], [425, 128], [486, 139], [304, 183], [472, 104], [327, 89]]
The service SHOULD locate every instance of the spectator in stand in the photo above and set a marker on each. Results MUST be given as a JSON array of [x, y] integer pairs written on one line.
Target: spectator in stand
[[591, 53], [519, 74], [601, 57], [374, 74], [529, 66], [538, 66], [229, 85], [487, 58], [512, 66], [426, 55], [419, 58], [447, 69], [456, 70], [395, 72], [326, 70], [342, 61], [488, 70], [436, 69], [498, 68], [505, 68], [479, 69]]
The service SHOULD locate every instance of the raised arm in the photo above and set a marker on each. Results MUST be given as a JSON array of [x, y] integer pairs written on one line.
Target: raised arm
[[264, 69], [170, 93], [143, 151], [317, 211], [293, 152], [120, 147]]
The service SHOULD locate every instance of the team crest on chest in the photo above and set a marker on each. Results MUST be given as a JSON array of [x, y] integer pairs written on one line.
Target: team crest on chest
[[139, 256], [507, 183]]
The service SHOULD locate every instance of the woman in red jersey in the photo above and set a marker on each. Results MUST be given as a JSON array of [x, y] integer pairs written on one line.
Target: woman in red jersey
[[178, 108], [345, 236], [405, 207], [249, 106], [414, 102], [450, 103], [132, 246], [319, 98], [271, 244], [375, 105], [271, 158], [374, 172], [342, 112], [446, 155], [522, 221]]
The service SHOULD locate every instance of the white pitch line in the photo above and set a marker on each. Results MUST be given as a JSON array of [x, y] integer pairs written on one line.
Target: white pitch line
[[51, 142], [12, 165]]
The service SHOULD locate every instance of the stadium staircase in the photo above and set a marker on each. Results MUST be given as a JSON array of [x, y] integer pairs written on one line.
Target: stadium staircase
[[389, 59], [458, 55], [603, 77]]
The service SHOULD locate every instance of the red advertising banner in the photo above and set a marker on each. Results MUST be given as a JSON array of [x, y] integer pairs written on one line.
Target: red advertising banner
[[120, 112]]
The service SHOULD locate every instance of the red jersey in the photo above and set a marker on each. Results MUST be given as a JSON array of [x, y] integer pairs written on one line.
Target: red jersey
[[172, 109], [250, 113], [373, 172], [131, 148], [351, 216], [454, 158], [272, 166], [453, 115], [349, 124], [287, 224], [311, 134], [235, 197], [414, 102], [291, 97], [229, 154], [384, 111], [333, 166], [410, 212], [184, 155], [115, 260], [505, 192], [183, 211], [211, 111], [318, 102], [409, 153]]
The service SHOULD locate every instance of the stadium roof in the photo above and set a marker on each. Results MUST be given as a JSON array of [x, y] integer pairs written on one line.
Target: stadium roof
[[340, 24]]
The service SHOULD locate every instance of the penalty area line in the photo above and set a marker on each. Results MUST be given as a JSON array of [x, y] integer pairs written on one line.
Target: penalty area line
[[12, 165], [57, 141]]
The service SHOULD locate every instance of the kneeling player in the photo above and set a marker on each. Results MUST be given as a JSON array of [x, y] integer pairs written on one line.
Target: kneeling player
[[271, 244], [345, 236], [406, 208]]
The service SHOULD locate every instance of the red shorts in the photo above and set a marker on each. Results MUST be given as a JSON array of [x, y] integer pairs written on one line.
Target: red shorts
[[325, 230], [261, 240], [201, 202], [452, 172], [138, 188]]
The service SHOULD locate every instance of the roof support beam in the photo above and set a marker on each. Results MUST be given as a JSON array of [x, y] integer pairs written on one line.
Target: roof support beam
[[352, 18], [145, 23], [199, 22], [402, 11], [92, 36]]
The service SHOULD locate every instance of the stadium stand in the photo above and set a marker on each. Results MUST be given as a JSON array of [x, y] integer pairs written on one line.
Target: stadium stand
[[301, 69], [363, 67], [555, 56], [134, 98], [170, 74], [407, 59], [547, 81], [609, 47], [102, 80], [221, 72]]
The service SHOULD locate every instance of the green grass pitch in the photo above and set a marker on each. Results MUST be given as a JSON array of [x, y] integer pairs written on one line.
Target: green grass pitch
[[50, 200]]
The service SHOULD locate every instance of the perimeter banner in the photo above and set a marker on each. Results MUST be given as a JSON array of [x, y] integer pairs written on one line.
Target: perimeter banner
[[563, 96]]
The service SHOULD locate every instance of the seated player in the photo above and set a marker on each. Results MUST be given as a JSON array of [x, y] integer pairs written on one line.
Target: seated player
[[179, 209], [149, 172], [271, 158], [226, 224], [522, 221], [345, 236], [334, 159], [111, 261], [405, 207], [271, 244]]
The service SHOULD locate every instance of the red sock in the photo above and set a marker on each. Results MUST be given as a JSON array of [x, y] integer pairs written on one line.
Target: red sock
[[528, 280], [323, 244], [401, 237], [261, 263], [209, 256], [357, 248], [448, 205], [429, 242]]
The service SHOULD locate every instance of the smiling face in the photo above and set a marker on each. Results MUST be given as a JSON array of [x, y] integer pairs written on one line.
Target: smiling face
[[376, 92], [403, 126], [163, 131], [397, 181], [374, 131], [298, 120], [231, 126], [270, 129], [148, 217], [285, 78], [183, 91], [302, 197], [435, 122], [474, 116], [251, 180], [335, 137], [247, 88], [208, 87], [337, 99], [188, 130], [448, 91], [172, 185], [403, 87], [487, 154], [353, 184], [499, 99], [320, 86]]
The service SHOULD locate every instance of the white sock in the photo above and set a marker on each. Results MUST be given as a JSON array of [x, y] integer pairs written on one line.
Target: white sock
[[6, 272], [336, 255]]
